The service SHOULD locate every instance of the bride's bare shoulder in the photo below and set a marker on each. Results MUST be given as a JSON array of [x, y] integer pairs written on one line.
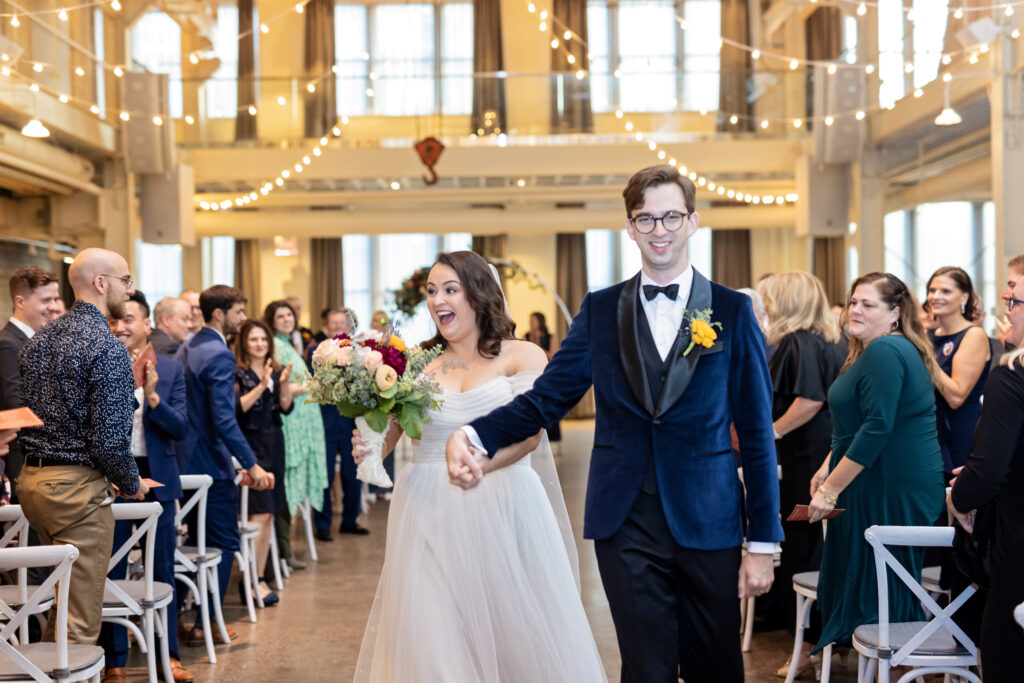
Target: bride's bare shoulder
[[522, 356]]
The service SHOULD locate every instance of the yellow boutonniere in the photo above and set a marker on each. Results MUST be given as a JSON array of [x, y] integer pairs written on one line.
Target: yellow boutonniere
[[702, 330]]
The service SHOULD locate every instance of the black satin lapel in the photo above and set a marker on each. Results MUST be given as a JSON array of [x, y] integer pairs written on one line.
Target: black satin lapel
[[629, 345], [681, 369]]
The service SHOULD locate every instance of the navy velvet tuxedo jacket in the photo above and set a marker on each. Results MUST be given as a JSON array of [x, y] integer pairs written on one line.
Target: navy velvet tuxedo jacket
[[685, 429], [209, 368], [164, 427]]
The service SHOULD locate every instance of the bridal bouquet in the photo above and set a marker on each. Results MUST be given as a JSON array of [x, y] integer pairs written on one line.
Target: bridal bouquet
[[370, 377]]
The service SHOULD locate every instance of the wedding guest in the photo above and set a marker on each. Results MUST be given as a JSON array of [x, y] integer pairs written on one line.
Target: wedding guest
[[886, 465], [77, 377], [803, 367], [173, 318], [264, 395], [322, 333], [962, 352], [196, 321], [539, 335], [1015, 274], [301, 336], [34, 298], [209, 368], [379, 321], [159, 423], [993, 479], [61, 309], [338, 439], [304, 441], [757, 302]]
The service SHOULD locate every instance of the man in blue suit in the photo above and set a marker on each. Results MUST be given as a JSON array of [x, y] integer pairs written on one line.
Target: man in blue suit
[[209, 368], [663, 500], [160, 422]]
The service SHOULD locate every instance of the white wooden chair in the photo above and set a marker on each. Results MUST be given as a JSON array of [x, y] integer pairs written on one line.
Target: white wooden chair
[[13, 596], [144, 598], [57, 661], [305, 509], [930, 647], [805, 585], [200, 561], [248, 531]]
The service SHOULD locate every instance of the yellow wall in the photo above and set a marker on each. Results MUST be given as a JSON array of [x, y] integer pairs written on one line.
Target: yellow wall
[[284, 276], [535, 253]]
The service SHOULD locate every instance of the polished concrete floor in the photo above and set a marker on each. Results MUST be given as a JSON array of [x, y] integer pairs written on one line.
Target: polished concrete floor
[[314, 633]]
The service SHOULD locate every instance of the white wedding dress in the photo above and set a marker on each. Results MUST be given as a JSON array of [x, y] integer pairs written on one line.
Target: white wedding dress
[[478, 586]]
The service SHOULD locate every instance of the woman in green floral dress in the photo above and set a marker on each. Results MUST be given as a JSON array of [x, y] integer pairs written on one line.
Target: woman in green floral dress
[[305, 474]]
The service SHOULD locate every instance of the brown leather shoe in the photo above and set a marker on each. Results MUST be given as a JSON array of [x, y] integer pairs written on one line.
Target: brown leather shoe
[[115, 675], [179, 673], [194, 638]]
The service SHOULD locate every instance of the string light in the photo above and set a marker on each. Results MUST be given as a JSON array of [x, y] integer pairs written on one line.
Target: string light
[[62, 14]]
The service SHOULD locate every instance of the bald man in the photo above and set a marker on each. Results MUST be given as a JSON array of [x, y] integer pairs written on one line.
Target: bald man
[[77, 377], [173, 320]]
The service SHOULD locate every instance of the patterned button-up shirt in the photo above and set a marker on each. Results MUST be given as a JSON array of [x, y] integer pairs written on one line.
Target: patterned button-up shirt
[[77, 377]]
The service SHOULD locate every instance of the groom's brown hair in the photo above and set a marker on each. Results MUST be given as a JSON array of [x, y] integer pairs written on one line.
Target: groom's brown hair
[[652, 176]]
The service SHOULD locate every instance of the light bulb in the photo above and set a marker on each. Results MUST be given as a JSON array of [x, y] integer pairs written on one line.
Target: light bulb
[[580, 74], [733, 119], [118, 71], [869, 69], [317, 152], [63, 98], [158, 121], [860, 115], [797, 123], [62, 14], [286, 174], [124, 116], [571, 59], [948, 117], [764, 123], [567, 35], [794, 63], [829, 120], [299, 8], [831, 69], [252, 110], [756, 54], [862, 9], [193, 58], [115, 5], [35, 129], [189, 119], [554, 43], [14, 21], [37, 67], [336, 131], [395, 185], [281, 100], [94, 109], [306, 160], [79, 71], [34, 87], [311, 87], [264, 28]]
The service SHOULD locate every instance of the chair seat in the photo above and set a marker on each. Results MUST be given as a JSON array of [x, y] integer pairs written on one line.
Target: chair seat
[[11, 595], [212, 555], [136, 590], [941, 643], [249, 528], [807, 580], [44, 655]]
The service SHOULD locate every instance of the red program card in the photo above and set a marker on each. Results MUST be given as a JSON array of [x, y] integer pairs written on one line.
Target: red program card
[[148, 355], [18, 418], [801, 513]]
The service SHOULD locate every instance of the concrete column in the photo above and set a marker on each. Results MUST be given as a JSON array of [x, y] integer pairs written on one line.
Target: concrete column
[[1007, 140], [868, 212]]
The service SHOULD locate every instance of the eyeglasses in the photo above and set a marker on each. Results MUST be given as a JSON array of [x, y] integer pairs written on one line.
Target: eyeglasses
[[672, 221], [1012, 302], [127, 279]]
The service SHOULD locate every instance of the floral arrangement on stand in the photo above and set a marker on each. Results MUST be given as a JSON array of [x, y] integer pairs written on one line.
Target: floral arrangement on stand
[[371, 378]]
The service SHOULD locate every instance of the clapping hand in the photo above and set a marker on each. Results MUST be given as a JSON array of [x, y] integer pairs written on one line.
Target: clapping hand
[[286, 373], [267, 378], [465, 463]]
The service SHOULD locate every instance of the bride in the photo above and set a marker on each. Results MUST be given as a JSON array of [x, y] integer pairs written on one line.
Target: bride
[[479, 585]]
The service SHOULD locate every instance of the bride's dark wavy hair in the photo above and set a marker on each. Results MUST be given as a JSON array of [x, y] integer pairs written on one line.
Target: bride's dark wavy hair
[[485, 298]]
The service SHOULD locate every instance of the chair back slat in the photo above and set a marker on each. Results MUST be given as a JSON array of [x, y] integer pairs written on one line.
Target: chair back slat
[[879, 537], [146, 516]]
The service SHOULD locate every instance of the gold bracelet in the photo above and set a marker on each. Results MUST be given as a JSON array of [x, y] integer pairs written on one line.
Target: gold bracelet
[[829, 498]]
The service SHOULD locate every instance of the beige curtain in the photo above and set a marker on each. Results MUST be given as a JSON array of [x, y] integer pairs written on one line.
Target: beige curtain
[[730, 258], [825, 33], [829, 265], [247, 274], [321, 106], [735, 67], [327, 275], [570, 96], [488, 59], [571, 285], [245, 124]]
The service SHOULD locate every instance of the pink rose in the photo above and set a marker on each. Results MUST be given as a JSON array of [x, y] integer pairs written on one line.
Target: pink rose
[[344, 356], [372, 360], [325, 352], [385, 377]]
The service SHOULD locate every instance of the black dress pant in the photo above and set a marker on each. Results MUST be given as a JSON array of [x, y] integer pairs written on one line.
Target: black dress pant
[[675, 609]]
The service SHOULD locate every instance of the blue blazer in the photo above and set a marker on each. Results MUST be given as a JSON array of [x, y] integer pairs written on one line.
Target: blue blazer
[[685, 429], [165, 426], [214, 435]]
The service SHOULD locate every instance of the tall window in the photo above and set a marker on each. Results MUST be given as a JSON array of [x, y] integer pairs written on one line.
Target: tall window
[[930, 18], [613, 257], [222, 89], [890, 52], [927, 35], [389, 57], [157, 270], [156, 45], [641, 60], [99, 73], [218, 254]]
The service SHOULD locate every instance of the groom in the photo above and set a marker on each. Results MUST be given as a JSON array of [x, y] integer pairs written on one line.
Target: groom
[[663, 501]]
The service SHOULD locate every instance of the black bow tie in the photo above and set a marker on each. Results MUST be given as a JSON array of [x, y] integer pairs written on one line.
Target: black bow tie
[[651, 291]]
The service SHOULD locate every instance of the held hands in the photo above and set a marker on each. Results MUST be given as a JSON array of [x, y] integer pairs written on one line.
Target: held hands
[[258, 479], [756, 575], [466, 466]]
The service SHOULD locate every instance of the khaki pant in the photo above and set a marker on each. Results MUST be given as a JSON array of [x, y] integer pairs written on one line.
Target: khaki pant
[[71, 504]]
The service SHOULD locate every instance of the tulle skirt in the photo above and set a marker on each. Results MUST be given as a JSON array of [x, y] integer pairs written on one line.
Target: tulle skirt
[[476, 587]]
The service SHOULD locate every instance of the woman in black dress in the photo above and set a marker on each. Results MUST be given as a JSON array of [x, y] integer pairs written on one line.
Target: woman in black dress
[[994, 477], [963, 353], [807, 360], [540, 336], [263, 395]]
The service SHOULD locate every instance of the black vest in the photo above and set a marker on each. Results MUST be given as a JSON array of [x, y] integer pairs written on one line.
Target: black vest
[[656, 370]]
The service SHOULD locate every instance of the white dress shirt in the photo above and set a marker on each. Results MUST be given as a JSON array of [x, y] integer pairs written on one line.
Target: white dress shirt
[[665, 315], [138, 430], [25, 329]]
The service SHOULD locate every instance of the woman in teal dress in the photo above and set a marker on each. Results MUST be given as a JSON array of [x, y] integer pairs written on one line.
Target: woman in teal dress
[[885, 467], [305, 474]]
